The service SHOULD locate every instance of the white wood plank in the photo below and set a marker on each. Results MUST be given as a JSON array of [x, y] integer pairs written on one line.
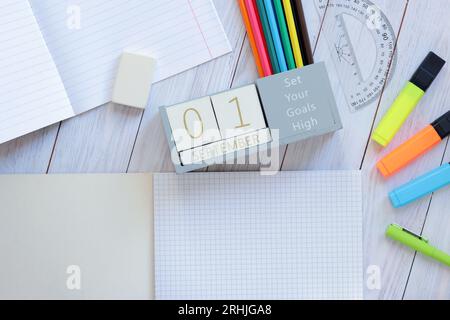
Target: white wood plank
[[98, 141], [30, 153], [430, 279], [314, 20], [245, 72], [151, 152], [418, 36]]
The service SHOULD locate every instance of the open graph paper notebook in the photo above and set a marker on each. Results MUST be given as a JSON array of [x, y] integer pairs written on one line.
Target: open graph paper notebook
[[294, 235], [217, 235], [59, 58]]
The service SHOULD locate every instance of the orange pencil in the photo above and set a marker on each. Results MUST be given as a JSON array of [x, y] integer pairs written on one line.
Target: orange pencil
[[251, 37]]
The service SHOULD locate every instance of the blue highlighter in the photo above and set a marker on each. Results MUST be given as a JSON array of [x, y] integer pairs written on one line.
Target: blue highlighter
[[420, 187]]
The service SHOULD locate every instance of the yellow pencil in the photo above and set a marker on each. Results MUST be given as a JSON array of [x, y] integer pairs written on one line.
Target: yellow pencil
[[293, 33]]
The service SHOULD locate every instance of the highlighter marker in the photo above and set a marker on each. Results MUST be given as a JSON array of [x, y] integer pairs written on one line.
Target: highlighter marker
[[407, 100], [418, 145], [421, 186], [417, 243]]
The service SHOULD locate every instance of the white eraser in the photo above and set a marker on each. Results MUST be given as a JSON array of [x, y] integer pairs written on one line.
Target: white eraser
[[134, 80]]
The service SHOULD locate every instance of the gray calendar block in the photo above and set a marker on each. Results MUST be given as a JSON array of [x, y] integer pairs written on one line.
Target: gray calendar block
[[299, 103]]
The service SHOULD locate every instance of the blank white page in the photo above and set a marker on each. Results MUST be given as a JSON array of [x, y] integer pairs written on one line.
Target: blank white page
[[295, 235], [32, 95], [87, 37], [100, 223]]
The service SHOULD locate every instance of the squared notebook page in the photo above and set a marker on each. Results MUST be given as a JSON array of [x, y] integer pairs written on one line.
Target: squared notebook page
[[32, 95], [87, 37], [294, 235]]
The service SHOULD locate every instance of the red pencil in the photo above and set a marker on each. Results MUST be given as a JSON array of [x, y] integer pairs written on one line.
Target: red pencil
[[259, 37], [251, 37]]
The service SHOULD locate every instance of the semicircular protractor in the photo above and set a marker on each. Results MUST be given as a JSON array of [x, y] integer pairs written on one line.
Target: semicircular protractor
[[361, 41]]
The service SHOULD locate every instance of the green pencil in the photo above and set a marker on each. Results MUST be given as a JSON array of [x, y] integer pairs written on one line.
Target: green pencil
[[268, 36], [281, 19]]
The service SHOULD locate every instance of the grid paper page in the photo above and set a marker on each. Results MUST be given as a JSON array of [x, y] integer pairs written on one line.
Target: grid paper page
[[87, 37], [32, 95], [295, 235]]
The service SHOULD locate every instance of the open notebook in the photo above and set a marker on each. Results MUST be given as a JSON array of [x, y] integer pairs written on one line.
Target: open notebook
[[59, 58], [217, 235]]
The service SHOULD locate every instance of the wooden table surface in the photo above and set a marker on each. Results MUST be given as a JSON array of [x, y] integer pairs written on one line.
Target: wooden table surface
[[114, 138]]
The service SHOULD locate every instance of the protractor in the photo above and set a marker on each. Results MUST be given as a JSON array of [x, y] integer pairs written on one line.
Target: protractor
[[361, 41]]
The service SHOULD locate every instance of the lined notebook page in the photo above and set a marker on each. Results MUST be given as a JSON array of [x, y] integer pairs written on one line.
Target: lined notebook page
[[87, 37], [295, 235], [32, 95]]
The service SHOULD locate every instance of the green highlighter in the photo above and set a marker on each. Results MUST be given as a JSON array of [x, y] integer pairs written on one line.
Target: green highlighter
[[417, 243]]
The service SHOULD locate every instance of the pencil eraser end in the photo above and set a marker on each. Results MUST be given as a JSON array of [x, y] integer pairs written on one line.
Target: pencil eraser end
[[383, 169], [396, 203], [380, 139], [134, 80]]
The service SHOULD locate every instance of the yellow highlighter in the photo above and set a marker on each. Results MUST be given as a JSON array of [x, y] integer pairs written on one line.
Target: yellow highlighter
[[408, 99]]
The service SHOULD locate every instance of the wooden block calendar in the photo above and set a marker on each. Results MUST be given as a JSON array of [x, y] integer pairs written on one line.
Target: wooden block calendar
[[276, 110]]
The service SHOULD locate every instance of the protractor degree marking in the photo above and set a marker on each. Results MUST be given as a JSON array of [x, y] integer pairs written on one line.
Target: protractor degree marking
[[359, 90]]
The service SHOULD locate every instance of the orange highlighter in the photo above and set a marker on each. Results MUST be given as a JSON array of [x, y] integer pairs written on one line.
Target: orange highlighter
[[418, 145]]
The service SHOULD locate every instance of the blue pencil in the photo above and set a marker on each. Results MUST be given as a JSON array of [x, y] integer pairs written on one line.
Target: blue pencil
[[275, 35]]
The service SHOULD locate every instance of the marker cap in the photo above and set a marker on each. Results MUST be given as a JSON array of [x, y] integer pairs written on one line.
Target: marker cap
[[395, 200], [421, 186], [442, 125], [428, 71]]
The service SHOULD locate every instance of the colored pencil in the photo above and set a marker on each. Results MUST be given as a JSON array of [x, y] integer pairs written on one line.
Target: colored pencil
[[275, 35], [259, 38], [285, 40], [268, 35], [293, 33], [251, 37], [305, 44], [262, 33]]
